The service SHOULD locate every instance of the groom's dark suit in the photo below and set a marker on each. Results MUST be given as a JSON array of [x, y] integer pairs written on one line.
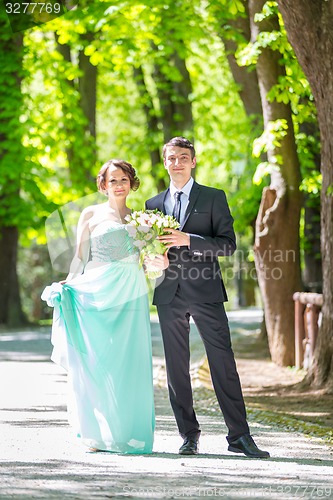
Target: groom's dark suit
[[193, 286]]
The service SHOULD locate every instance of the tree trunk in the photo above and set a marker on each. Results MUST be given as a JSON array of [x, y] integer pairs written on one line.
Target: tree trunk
[[314, 51], [11, 165], [10, 303], [88, 99], [65, 84], [246, 78], [175, 106], [87, 88], [276, 247], [153, 133]]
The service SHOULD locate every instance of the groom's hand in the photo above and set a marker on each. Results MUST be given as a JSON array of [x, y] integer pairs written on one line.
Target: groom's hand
[[175, 238]]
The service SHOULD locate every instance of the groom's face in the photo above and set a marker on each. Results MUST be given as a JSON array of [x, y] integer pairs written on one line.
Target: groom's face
[[179, 164]]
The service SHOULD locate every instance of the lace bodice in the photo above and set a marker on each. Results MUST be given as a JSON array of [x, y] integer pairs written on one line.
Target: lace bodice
[[110, 241]]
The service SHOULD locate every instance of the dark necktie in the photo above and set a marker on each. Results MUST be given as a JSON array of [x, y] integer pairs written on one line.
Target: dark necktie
[[178, 205]]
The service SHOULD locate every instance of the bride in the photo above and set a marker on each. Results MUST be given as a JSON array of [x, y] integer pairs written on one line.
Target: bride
[[101, 326]]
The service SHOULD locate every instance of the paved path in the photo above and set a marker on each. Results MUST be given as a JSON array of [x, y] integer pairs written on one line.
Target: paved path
[[39, 458]]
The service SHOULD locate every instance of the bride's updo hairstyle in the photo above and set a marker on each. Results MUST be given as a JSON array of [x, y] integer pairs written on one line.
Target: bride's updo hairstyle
[[125, 167]]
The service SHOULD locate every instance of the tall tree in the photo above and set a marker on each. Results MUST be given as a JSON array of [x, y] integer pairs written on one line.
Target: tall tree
[[174, 88], [314, 51], [12, 164], [235, 30], [276, 247], [199, 83], [153, 136], [166, 102], [88, 97], [79, 100]]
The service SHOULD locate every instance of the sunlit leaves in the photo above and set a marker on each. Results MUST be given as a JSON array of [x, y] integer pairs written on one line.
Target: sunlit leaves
[[271, 137], [269, 140], [269, 9], [264, 169], [312, 183], [230, 7], [249, 54]]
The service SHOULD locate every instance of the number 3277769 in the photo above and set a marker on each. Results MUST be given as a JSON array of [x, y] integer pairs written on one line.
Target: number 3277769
[[31, 7]]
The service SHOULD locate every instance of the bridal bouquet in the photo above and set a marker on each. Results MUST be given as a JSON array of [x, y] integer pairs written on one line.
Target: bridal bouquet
[[144, 226]]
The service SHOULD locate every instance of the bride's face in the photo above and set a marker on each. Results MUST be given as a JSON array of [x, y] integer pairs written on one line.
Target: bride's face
[[117, 182]]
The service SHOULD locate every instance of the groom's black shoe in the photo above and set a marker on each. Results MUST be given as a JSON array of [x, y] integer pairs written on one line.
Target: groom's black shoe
[[189, 446], [246, 445]]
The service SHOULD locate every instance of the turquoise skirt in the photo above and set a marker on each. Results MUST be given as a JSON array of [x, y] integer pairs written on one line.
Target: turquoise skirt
[[101, 336]]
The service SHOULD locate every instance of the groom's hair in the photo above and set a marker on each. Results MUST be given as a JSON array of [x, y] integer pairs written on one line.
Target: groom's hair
[[180, 142]]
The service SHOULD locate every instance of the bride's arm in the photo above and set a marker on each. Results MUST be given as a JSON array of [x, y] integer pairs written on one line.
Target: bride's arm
[[81, 256]]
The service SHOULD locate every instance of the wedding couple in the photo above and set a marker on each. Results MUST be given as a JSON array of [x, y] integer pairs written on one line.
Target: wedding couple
[[101, 327]]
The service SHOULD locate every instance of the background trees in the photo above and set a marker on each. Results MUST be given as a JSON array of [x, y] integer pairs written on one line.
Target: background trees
[[13, 165], [316, 19], [117, 79], [276, 243]]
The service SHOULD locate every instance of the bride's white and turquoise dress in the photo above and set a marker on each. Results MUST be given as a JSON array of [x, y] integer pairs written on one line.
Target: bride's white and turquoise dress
[[101, 336]]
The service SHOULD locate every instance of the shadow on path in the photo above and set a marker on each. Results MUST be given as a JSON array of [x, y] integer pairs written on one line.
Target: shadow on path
[[41, 459]]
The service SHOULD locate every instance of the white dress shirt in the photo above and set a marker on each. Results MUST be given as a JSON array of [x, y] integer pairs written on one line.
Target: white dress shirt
[[169, 201]]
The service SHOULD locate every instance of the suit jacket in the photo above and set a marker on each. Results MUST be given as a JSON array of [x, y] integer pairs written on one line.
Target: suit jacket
[[196, 269]]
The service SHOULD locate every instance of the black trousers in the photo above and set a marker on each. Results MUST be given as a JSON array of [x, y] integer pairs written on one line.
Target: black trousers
[[212, 323]]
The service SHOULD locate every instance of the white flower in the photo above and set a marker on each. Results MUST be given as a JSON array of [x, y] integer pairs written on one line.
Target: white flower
[[143, 228], [139, 244], [131, 230], [146, 226]]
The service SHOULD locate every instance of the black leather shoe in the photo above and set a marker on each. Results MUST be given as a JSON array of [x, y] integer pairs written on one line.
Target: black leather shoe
[[189, 446], [246, 445]]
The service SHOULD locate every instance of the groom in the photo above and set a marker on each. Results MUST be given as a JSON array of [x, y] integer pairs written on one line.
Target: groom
[[193, 286]]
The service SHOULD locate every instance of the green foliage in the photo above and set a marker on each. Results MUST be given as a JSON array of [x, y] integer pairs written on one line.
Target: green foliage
[[54, 98], [309, 151], [271, 137], [20, 195], [45, 126], [269, 140], [269, 9], [227, 8], [292, 88]]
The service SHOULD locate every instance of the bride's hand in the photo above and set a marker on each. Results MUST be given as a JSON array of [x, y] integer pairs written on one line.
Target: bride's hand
[[158, 262], [164, 260]]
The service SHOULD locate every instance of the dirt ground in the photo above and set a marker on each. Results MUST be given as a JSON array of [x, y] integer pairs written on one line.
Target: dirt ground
[[282, 391], [272, 389]]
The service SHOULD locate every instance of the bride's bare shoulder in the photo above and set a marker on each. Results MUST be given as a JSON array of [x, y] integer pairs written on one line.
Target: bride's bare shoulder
[[90, 212]]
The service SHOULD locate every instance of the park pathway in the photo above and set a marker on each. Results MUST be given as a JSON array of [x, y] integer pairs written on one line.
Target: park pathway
[[39, 458]]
